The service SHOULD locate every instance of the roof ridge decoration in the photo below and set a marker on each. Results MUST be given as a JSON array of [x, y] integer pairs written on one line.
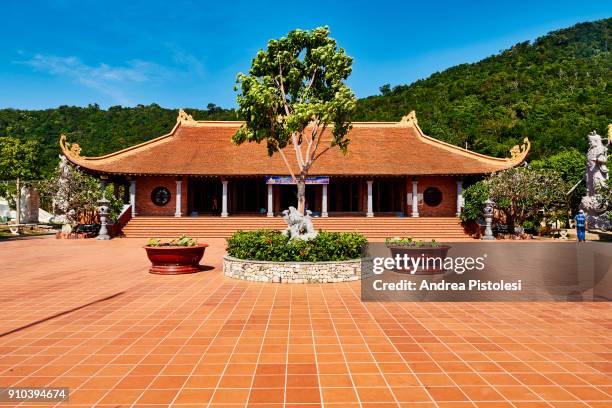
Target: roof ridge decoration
[[408, 120], [127, 161], [185, 119], [71, 149], [519, 152]]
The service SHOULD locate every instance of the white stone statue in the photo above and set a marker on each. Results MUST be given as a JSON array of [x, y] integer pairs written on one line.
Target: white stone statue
[[59, 201], [595, 175], [299, 226], [30, 203]]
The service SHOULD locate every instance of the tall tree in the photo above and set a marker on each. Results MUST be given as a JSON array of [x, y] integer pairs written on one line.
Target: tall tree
[[19, 162], [523, 193], [295, 90]]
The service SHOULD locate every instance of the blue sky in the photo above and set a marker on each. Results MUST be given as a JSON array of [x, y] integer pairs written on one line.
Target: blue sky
[[187, 53]]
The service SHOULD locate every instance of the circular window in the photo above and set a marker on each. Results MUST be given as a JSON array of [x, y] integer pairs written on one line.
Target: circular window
[[432, 196], [160, 196]]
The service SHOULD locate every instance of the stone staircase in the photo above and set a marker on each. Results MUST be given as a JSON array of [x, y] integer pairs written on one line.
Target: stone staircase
[[439, 228]]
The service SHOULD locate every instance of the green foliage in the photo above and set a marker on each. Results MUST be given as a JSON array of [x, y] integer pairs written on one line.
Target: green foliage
[[19, 165], [154, 242], [19, 159], [604, 191], [298, 81], [411, 242], [385, 89], [97, 131], [529, 226], [182, 241], [570, 165], [77, 194], [474, 196], [554, 90], [524, 193], [264, 245]]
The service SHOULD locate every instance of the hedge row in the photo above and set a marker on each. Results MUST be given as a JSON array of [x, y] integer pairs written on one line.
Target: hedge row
[[264, 245]]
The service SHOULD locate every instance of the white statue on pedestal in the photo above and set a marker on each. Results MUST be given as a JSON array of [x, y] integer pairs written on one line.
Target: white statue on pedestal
[[596, 173], [595, 176], [299, 225]]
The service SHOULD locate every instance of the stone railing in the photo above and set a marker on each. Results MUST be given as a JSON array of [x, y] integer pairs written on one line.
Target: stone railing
[[292, 272]]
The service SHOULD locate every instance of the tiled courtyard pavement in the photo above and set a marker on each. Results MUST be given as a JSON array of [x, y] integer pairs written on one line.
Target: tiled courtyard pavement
[[87, 315]]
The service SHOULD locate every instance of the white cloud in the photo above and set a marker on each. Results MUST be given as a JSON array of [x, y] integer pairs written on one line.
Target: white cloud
[[189, 61], [104, 78]]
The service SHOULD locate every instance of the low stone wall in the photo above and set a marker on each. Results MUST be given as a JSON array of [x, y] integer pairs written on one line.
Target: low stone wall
[[292, 272]]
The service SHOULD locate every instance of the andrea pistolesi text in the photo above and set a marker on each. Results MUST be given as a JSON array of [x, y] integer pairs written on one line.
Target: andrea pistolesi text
[[470, 285]]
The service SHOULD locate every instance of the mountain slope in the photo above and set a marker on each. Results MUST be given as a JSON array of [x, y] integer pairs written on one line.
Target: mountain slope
[[554, 90]]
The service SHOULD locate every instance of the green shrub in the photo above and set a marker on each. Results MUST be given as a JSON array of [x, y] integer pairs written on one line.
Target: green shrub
[[182, 241], [529, 225], [264, 245], [410, 242], [475, 197]]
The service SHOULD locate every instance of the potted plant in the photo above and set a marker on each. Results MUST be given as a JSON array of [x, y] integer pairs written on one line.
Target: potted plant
[[429, 255], [178, 256]]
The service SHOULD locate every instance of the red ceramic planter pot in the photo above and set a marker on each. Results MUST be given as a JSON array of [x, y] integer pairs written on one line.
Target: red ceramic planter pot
[[171, 260], [422, 252]]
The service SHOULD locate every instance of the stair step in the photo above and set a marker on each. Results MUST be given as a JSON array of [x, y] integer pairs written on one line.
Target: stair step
[[217, 227]]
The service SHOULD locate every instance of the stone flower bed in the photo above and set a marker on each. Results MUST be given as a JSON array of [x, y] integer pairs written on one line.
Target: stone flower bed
[[292, 272], [269, 256]]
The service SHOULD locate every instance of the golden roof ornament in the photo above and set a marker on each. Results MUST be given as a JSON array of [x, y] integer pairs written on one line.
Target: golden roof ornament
[[75, 149], [518, 151], [184, 118], [72, 149], [409, 120]]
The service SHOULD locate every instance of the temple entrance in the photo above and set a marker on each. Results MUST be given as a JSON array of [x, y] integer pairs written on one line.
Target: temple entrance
[[388, 195], [288, 197], [247, 196], [345, 196], [204, 196]]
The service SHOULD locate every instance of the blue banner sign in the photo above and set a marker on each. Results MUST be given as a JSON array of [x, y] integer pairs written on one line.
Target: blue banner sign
[[289, 180]]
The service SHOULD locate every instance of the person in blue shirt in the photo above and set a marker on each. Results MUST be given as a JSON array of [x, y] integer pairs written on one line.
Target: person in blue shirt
[[581, 222]]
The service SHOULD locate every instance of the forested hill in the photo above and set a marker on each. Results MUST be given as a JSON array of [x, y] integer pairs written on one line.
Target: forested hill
[[96, 130], [554, 90]]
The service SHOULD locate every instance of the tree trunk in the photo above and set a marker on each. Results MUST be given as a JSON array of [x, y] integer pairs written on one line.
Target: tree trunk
[[18, 202], [301, 194]]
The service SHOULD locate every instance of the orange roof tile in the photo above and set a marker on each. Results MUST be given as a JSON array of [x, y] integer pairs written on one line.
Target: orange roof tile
[[205, 148]]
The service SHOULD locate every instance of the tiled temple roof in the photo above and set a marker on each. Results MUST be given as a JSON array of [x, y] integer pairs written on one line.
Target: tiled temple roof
[[376, 148]]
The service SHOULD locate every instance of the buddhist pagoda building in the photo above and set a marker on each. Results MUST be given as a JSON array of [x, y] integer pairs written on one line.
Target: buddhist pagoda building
[[391, 169]]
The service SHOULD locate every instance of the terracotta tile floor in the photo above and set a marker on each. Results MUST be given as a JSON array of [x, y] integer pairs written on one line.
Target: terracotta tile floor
[[87, 315]]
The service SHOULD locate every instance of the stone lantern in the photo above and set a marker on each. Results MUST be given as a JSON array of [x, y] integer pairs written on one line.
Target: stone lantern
[[488, 215], [103, 209]]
